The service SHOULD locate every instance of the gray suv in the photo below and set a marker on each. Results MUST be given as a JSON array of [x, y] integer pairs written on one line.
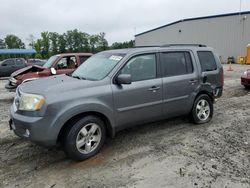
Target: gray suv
[[114, 90]]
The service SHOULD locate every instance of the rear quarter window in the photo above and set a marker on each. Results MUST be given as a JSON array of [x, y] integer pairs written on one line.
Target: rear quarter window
[[207, 61]]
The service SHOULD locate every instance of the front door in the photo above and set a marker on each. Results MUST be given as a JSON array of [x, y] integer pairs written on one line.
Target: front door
[[66, 65], [7, 67], [140, 101]]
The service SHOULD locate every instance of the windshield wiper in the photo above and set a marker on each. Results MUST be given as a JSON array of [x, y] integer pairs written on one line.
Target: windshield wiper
[[69, 74], [79, 77]]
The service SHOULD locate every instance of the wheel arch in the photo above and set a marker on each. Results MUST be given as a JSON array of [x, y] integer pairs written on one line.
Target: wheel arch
[[206, 93], [71, 121]]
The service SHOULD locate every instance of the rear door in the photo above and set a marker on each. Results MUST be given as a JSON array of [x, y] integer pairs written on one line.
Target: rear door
[[140, 101], [180, 81]]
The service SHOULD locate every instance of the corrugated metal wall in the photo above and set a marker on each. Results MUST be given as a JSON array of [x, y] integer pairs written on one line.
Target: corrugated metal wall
[[228, 35]]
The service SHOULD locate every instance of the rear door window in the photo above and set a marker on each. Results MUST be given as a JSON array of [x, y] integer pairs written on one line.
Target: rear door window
[[207, 61], [19, 62], [176, 63]]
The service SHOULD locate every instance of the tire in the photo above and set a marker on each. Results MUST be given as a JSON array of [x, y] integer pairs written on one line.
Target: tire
[[247, 87], [202, 111], [85, 138]]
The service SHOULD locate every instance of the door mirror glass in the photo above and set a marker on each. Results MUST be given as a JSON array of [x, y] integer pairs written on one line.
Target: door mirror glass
[[123, 79], [53, 71]]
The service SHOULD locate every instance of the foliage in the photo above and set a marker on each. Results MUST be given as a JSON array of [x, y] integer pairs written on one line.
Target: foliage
[[51, 43], [2, 44], [119, 45], [12, 41]]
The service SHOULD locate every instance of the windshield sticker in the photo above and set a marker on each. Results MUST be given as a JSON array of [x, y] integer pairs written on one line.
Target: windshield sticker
[[115, 57]]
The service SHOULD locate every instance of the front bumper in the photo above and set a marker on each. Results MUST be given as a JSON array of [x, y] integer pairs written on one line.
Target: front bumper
[[11, 86], [35, 129]]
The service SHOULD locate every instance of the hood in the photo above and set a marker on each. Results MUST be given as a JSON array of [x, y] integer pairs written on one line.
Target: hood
[[55, 85], [33, 68]]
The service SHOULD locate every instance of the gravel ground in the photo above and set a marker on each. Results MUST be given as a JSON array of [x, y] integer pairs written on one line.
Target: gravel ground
[[172, 153]]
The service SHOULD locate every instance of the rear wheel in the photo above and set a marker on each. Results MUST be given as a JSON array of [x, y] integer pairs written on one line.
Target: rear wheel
[[85, 138], [202, 111]]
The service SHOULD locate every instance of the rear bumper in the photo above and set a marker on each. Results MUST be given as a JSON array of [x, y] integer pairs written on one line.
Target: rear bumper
[[217, 92]]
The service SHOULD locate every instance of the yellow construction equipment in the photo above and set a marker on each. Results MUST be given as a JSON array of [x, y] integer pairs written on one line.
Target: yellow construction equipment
[[248, 54], [241, 60]]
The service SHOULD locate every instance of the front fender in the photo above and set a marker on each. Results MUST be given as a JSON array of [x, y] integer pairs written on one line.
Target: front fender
[[73, 109]]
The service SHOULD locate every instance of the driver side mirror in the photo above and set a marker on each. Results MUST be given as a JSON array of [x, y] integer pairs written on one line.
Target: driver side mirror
[[53, 70], [123, 79], [4, 64]]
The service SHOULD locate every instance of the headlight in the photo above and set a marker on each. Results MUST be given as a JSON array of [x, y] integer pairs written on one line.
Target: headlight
[[13, 80], [30, 102], [245, 73]]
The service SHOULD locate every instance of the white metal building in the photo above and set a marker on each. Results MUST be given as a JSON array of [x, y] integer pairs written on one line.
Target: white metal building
[[228, 34]]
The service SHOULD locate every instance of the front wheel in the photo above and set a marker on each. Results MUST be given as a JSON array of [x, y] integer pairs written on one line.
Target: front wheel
[[85, 138], [202, 111], [247, 87]]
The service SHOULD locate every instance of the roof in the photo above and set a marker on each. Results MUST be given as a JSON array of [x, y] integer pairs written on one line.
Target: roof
[[76, 53], [196, 18], [156, 48], [17, 51]]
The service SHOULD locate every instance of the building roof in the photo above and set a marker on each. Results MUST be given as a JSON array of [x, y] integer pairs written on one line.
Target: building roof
[[17, 51], [196, 18]]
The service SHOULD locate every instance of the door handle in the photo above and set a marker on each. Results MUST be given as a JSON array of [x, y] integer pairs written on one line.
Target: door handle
[[154, 88]]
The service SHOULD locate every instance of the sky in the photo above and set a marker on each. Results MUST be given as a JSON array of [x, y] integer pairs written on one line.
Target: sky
[[119, 19]]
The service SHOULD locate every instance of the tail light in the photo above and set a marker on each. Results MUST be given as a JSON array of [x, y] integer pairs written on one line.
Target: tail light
[[222, 78]]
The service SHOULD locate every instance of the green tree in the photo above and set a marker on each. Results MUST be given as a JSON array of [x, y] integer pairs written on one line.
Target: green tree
[[54, 40], [93, 42], [2, 44], [45, 44], [102, 42], [52, 43], [38, 47], [77, 41], [62, 43], [13, 41], [118, 45]]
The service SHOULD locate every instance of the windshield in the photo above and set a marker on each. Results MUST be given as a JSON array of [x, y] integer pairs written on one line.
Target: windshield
[[98, 66], [50, 62]]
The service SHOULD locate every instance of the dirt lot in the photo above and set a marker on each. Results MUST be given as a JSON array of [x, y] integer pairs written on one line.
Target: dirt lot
[[173, 153]]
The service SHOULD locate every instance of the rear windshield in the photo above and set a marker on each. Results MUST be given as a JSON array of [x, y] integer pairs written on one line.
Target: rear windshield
[[207, 61]]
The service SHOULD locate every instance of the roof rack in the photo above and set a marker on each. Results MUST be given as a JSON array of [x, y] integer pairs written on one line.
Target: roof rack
[[145, 46], [169, 45]]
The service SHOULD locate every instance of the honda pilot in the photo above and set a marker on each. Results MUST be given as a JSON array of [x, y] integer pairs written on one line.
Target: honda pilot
[[114, 90]]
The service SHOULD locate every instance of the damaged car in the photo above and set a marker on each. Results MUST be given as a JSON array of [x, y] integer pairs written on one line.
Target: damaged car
[[57, 64], [245, 79]]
